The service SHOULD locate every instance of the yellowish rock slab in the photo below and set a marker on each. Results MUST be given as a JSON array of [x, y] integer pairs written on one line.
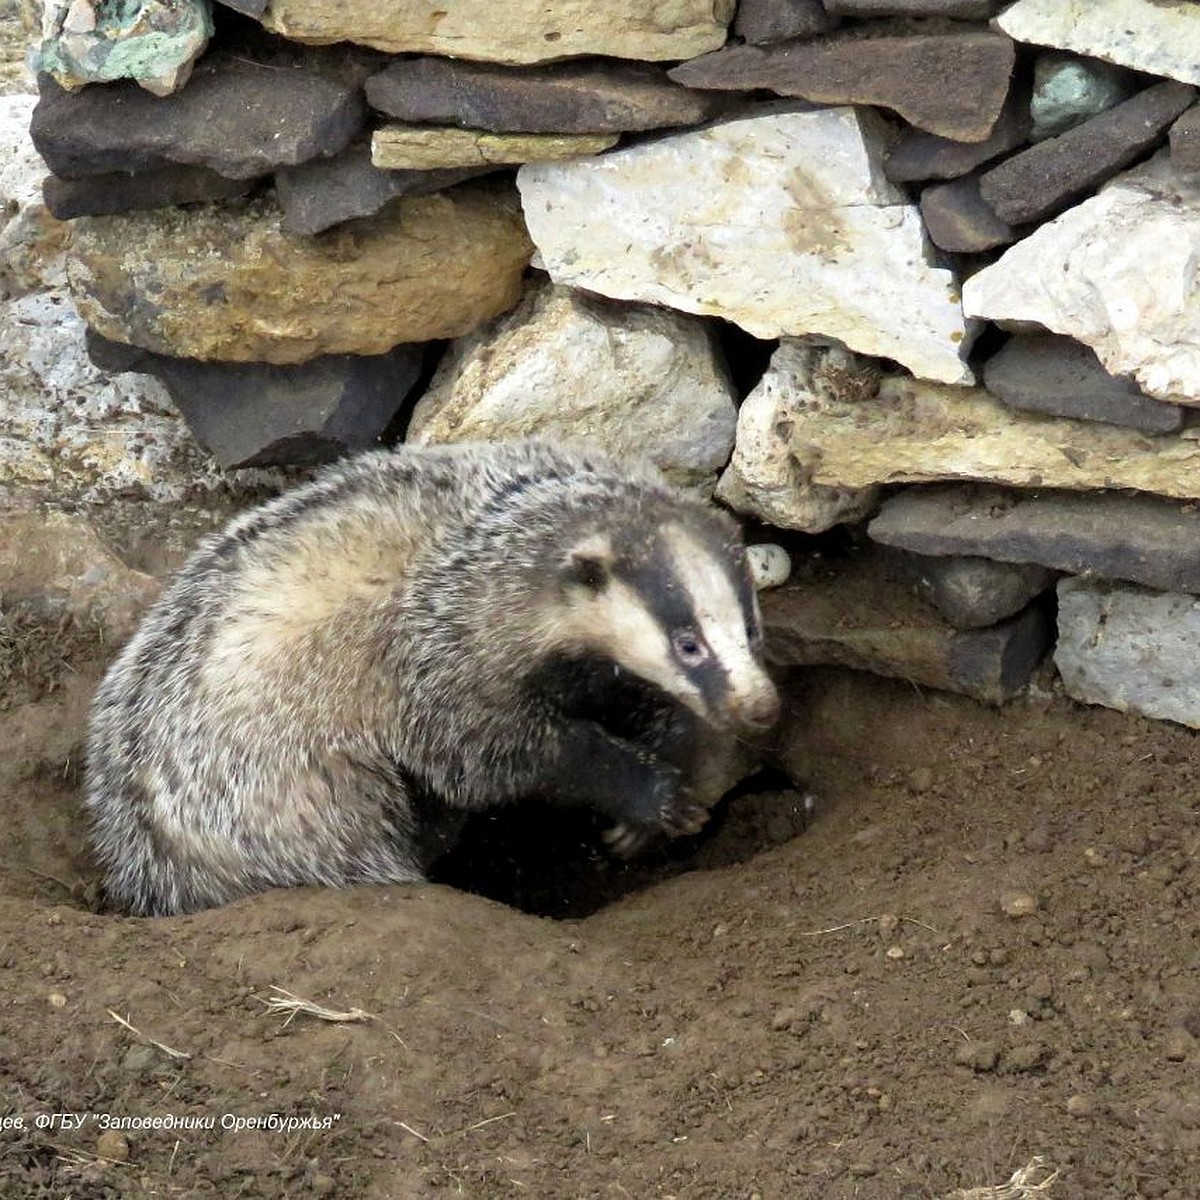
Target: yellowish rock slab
[[511, 31], [225, 282], [913, 431], [428, 147], [818, 436]]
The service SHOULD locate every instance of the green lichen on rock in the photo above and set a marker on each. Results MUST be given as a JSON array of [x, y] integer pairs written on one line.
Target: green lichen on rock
[[154, 42]]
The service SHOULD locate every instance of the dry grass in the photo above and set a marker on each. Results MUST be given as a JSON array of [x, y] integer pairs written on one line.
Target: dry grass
[[287, 1002], [1023, 1184]]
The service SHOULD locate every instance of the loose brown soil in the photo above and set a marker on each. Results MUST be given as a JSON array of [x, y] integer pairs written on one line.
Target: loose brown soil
[[846, 1011]]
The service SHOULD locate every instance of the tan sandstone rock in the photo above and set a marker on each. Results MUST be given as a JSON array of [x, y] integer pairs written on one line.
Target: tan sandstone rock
[[429, 147], [511, 31], [55, 563], [225, 282], [813, 443]]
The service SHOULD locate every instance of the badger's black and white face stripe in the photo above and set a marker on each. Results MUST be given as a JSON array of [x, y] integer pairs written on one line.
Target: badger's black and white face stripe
[[679, 611]]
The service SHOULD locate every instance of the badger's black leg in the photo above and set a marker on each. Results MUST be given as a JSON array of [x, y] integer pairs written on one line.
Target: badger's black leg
[[623, 748], [612, 775]]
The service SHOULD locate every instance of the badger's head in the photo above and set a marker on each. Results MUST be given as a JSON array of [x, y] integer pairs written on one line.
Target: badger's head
[[671, 601]]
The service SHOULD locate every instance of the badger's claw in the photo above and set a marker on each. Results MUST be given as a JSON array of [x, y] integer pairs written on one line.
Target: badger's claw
[[686, 820], [625, 839]]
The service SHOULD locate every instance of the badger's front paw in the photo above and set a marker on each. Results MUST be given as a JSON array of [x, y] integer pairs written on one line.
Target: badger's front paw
[[626, 840], [664, 808]]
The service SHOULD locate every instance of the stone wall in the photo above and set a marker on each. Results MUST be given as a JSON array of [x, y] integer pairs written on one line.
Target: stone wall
[[922, 271]]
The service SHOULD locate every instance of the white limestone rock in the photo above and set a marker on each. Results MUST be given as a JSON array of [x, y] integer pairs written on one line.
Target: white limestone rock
[[1158, 36], [770, 565], [1116, 272], [68, 431], [1129, 648], [31, 240], [630, 379], [816, 438], [781, 223], [769, 475]]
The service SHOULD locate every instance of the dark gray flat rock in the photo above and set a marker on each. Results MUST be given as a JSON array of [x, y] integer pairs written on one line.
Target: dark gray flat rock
[[1047, 177], [1057, 375], [592, 96], [959, 220], [973, 593], [1185, 142], [121, 191], [952, 84], [961, 10], [759, 21], [855, 614], [249, 8], [259, 415], [1113, 535], [918, 155], [327, 191], [237, 116]]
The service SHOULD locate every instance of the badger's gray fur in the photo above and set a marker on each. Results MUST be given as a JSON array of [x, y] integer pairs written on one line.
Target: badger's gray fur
[[416, 632]]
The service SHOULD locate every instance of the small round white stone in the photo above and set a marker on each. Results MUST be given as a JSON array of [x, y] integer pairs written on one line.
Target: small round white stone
[[770, 565]]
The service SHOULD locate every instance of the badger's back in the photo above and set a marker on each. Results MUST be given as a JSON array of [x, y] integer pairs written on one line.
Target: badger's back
[[233, 742], [420, 631]]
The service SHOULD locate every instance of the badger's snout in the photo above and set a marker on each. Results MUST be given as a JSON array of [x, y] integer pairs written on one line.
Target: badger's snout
[[756, 711]]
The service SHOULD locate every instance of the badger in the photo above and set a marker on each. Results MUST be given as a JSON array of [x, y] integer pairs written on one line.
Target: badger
[[414, 633]]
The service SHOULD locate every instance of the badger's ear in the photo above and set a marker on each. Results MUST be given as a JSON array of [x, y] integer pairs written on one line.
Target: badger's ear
[[589, 562]]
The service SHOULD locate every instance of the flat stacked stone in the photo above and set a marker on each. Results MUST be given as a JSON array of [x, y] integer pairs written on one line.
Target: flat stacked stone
[[852, 614], [952, 84], [324, 192], [1142, 539], [814, 456], [510, 31], [262, 415], [238, 117], [593, 96], [439, 148], [918, 155], [1045, 178], [118, 192], [960, 220], [1064, 378]]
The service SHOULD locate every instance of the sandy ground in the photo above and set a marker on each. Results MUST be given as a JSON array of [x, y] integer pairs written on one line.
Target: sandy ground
[[982, 950]]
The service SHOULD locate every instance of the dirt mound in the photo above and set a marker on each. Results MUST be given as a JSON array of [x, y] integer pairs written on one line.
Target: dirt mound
[[984, 949]]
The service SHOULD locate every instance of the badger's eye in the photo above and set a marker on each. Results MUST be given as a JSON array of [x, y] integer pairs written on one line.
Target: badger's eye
[[688, 647]]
